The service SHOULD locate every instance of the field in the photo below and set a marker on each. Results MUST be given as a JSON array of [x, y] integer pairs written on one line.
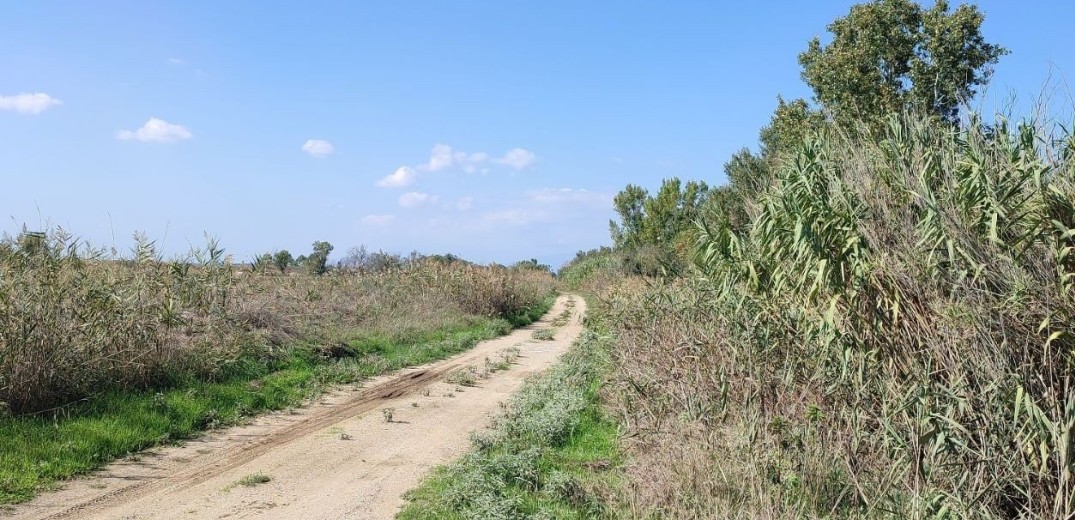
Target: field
[[103, 356]]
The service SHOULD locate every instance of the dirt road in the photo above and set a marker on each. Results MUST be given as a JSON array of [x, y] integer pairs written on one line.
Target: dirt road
[[337, 458]]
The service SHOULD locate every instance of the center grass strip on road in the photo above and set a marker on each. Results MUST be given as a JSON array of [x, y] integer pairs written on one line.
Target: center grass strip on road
[[37, 451], [553, 452]]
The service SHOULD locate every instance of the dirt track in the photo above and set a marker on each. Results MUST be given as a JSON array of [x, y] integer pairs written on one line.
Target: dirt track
[[337, 458]]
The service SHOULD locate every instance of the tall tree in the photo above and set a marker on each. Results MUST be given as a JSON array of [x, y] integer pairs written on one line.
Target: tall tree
[[890, 54], [791, 123], [317, 262], [659, 220], [629, 205]]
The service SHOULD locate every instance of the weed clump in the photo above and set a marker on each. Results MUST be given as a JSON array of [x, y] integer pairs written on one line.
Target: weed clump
[[467, 376], [544, 334], [254, 479]]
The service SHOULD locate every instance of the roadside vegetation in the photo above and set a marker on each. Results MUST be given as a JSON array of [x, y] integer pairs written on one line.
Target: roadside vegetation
[[102, 355], [872, 319], [889, 337], [550, 454]]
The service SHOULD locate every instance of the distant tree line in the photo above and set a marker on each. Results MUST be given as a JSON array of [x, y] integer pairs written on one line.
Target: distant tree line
[[360, 258]]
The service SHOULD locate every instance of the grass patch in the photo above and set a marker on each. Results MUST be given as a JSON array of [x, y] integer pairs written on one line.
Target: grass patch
[[552, 453], [530, 314], [564, 316], [37, 451], [254, 479], [467, 376], [544, 334]]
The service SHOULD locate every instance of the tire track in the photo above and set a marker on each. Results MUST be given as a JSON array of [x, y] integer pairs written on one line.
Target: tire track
[[174, 478]]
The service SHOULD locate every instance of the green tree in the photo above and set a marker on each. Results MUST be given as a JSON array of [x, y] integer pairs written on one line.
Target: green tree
[[791, 124], [665, 220], [629, 204], [282, 259], [317, 262], [887, 55]]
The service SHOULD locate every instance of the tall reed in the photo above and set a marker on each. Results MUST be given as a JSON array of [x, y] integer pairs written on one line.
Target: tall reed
[[75, 320], [891, 337]]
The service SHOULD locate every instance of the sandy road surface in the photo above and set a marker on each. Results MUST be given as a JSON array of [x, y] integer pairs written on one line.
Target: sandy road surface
[[337, 458]]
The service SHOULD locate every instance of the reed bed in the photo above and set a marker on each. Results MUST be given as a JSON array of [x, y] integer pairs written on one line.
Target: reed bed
[[891, 337], [75, 320]]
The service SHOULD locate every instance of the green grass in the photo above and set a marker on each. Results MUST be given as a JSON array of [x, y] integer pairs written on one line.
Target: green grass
[[254, 479], [37, 451], [553, 453]]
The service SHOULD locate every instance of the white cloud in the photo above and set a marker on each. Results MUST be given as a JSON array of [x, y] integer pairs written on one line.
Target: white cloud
[[27, 103], [177, 61], [318, 148], [403, 176], [464, 204], [414, 199], [443, 157], [156, 131], [377, 220], [517, 158], [440, 158]]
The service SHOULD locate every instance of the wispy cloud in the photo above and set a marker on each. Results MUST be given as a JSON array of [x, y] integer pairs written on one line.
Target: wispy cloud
[[28, 103], [318, 148], [439, 159], [548, 206], [403, 176], [414, 199], [517, 158], [377, 220], [443, 157], [156, 131], [177, 61]]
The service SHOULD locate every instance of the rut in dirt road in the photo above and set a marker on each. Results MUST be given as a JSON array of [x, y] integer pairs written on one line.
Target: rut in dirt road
[[339, 458]]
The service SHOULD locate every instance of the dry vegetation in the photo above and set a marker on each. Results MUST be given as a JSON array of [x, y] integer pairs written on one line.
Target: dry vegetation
[[890, 338], [75, 321]]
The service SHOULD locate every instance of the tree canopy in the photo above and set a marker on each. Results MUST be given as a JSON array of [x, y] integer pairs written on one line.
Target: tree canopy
[[888, 55], [657, 220]]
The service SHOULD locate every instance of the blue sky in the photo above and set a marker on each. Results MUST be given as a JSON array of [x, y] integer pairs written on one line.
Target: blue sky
[[495, 130]]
